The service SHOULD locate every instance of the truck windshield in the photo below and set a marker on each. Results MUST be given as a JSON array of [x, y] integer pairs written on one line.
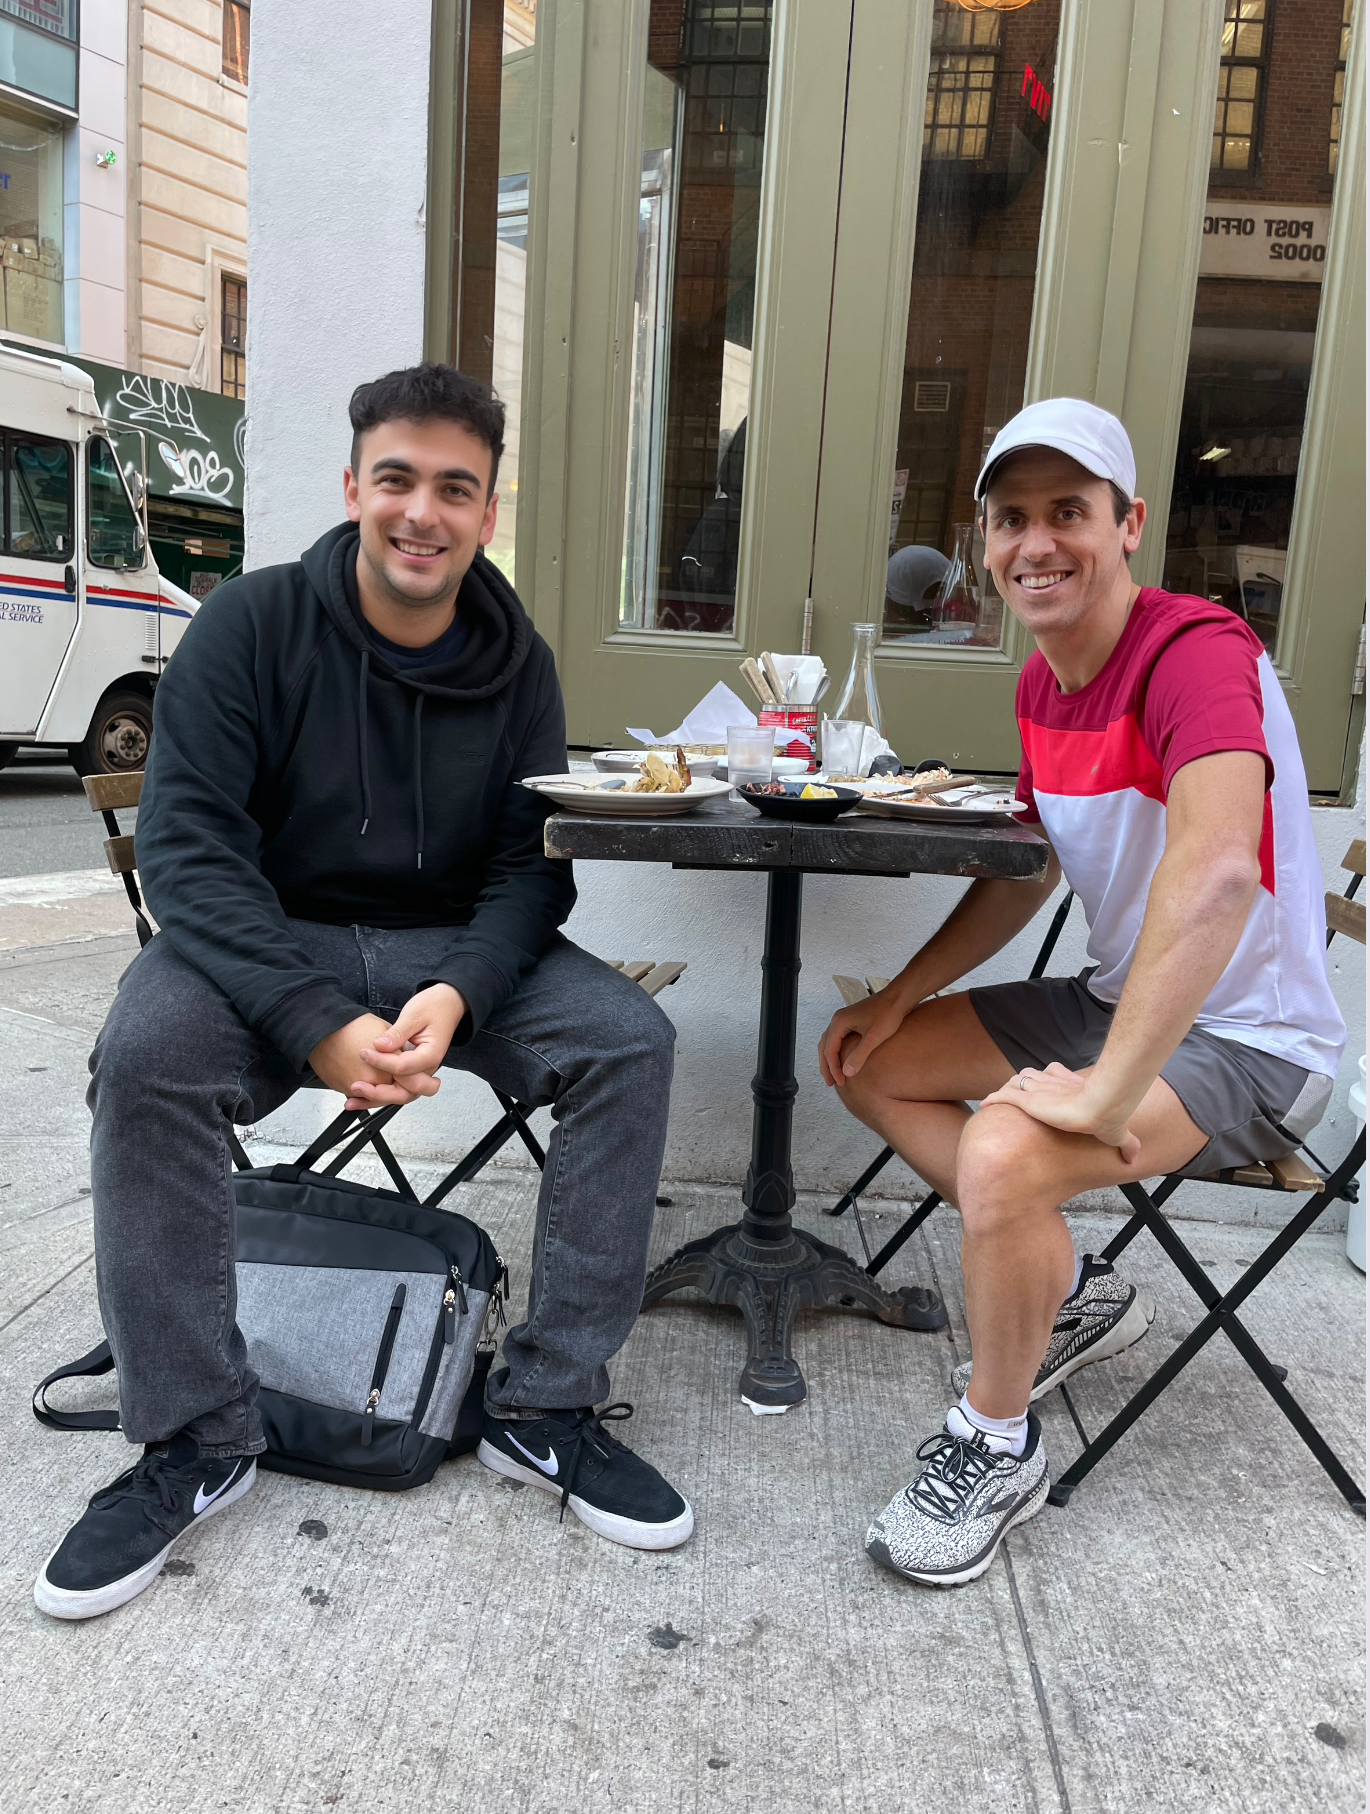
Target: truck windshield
[[114, 530]]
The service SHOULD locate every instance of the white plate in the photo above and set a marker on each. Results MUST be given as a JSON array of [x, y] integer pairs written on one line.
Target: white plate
[[589, 793], [979, 809], [789, 765]]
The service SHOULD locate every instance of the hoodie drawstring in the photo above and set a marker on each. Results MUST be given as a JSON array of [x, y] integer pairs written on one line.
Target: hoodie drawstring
[[365, 765], [361, 744], [418, 773]]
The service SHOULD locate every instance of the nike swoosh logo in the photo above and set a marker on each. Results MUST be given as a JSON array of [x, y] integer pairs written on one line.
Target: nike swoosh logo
[[203, 1499], [551, 1466]]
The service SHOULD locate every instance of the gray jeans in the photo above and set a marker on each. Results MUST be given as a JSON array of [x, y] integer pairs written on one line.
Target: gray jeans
[[175, 1059]]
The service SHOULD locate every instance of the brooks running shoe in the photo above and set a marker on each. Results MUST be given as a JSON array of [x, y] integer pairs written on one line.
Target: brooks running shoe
[[945, 1526], [1101, 1317]]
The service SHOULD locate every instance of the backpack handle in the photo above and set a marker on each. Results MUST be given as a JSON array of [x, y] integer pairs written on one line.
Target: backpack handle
[[98, 1361]]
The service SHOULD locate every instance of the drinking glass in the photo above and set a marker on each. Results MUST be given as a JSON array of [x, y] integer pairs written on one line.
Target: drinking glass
[[751, 749], [842, 745]]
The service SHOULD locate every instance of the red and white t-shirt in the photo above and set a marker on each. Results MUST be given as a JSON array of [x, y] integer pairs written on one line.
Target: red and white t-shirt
[[1187, 679]]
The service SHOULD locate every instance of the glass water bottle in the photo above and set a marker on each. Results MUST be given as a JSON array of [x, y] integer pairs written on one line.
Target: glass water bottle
[[858, 701], [958, 603]]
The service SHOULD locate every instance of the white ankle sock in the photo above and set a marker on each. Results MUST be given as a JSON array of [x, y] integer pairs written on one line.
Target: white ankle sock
[[1004, 1435], [1075, 1282]]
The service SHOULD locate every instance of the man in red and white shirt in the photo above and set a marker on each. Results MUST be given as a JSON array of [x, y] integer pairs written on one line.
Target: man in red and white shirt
[[1161, 763]]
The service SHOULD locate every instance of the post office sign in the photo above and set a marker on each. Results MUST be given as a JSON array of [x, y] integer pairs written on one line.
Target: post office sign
[[1285, 243]]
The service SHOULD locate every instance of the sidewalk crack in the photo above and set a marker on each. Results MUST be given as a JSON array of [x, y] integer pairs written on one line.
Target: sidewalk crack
[[1038, 1689]]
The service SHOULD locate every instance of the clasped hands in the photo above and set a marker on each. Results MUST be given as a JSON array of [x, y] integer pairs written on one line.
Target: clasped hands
[[371, 1062]]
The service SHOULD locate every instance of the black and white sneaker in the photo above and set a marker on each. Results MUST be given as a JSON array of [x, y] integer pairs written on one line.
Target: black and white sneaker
[[570, 1453], [118, 1545], [1101, 1317], [945, 1526]]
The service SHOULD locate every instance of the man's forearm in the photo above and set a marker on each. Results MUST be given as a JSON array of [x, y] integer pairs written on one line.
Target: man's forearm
[[1195, 915], [986, 918]]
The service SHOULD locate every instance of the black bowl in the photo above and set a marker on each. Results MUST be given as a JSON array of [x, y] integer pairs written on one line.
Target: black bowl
[[804, 812]]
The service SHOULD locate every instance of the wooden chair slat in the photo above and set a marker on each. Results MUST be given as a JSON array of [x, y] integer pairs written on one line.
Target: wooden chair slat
[[1354, 860], [660, 975], [876, 983], [119, 852], [852, 989], [614, 963], [107, 793], [637, 969], [1346, 916], [1294, 1173], [1254, 1176]]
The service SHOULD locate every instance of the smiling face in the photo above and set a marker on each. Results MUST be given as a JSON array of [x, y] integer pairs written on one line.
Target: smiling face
[[1053, 542], [421, 495]]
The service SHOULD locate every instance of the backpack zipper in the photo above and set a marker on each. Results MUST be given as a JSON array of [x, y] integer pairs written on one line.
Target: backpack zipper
[[382, 1366], [455, 1292]]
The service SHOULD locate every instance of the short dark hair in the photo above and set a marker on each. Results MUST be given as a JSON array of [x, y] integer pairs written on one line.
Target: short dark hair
[[1122, 503], [423, 393]]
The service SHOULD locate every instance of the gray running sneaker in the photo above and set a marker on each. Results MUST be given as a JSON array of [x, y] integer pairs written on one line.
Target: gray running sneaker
[[944, 1528], [1101, 1317]]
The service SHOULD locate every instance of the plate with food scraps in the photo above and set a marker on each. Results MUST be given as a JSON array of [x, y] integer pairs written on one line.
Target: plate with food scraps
[[656, 792], [802, 802], [976, 803]]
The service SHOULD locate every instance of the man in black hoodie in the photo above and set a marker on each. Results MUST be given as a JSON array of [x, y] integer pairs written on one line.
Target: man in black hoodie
[[351, 884]]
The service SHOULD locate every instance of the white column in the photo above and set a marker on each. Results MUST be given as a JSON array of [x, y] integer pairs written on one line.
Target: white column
[[337, 162]]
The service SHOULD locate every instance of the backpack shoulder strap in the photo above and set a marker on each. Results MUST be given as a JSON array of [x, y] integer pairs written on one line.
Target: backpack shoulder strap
[[98, 1361]]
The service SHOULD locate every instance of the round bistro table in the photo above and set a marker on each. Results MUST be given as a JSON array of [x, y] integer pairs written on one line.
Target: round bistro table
[[763, 1264]]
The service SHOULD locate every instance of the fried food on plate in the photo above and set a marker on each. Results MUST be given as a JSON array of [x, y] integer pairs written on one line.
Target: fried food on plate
[[661, 777]]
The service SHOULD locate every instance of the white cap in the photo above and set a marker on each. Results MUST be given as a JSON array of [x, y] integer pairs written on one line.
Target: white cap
[[1089, 435]]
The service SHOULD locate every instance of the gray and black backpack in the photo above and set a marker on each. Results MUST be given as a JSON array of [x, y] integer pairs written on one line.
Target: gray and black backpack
[[370, 1319]]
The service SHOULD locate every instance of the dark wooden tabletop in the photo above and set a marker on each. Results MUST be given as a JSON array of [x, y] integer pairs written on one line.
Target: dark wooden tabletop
[[729, 834]]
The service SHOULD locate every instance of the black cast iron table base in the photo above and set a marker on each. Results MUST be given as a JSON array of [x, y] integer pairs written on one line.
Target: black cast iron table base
[[763, 1264], [769, 1282]]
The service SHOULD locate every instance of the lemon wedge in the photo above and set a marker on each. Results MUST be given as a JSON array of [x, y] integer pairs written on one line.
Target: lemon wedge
[[818, 793]]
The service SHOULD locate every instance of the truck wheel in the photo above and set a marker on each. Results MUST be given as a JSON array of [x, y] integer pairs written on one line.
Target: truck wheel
[[119, 736]]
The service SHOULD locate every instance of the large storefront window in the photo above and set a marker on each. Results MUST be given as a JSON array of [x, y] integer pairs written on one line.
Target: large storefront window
[[987, 123], [694, 298], [1256, 312], [31, 226]]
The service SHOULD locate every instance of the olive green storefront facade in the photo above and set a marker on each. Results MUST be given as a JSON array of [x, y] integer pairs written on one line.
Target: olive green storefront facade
[[760, 279]]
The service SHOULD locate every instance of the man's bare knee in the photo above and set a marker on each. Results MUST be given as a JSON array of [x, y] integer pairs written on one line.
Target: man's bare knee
[[1001, 1177]]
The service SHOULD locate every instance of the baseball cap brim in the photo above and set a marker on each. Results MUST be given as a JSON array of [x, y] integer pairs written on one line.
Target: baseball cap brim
[[1087, 457]]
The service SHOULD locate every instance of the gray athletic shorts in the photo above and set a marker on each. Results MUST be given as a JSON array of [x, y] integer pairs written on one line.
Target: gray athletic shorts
[[1250, 1105]]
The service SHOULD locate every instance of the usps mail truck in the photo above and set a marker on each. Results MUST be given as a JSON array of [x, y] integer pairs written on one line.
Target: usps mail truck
[[87, 623]]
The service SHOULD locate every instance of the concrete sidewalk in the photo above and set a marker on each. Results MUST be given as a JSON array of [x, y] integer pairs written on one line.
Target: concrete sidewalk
[[1188, 1634]]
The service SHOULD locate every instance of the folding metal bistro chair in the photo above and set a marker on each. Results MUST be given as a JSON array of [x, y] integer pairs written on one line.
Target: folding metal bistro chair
[[854, 989], [1324, 1185], [353, 1130]]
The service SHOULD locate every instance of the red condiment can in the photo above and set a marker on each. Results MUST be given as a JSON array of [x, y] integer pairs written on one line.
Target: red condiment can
[[802, 721]]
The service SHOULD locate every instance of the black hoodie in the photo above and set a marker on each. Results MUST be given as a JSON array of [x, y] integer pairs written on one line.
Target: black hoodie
[[295, 775]]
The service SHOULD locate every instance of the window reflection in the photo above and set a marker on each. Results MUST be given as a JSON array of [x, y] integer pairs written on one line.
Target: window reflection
[[1255, 322], [987, 125], [491, 275], [694, 296]]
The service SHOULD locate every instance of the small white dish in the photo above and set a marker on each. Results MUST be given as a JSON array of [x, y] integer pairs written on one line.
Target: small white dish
[[605, 794], [789, 765]]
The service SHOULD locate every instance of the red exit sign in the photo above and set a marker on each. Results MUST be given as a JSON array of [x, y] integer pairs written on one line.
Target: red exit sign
[[1035, 92]]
